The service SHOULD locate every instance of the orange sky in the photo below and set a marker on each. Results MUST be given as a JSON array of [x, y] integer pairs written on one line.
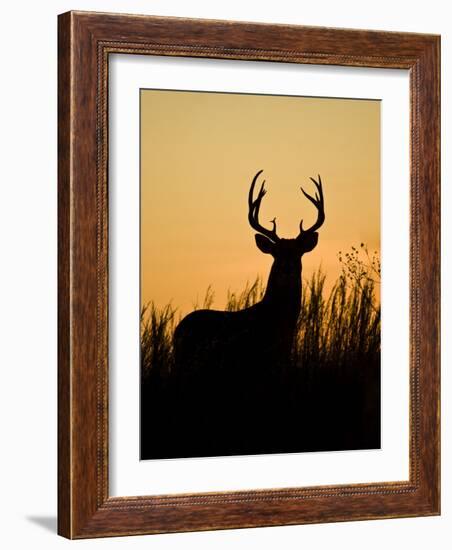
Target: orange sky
[[199, 153]]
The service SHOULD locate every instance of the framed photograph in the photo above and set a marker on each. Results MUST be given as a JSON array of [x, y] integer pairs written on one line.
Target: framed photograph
[[249, 221]]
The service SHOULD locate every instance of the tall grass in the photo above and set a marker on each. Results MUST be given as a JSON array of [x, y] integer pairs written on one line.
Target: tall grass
[[157, 328], [339, 328], [333, 329], [329, 399]]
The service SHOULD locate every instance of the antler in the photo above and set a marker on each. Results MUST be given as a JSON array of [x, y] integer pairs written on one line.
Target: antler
[[318, 203], [253, 210]]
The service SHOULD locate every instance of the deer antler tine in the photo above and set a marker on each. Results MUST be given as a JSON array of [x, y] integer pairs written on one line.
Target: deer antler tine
[[318, 185], [315, 182], [273, 221], [253, 184], [308, 196], [317, 201], [253, 210]]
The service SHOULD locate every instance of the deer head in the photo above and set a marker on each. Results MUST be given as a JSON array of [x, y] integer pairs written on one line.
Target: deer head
[[268, 241]]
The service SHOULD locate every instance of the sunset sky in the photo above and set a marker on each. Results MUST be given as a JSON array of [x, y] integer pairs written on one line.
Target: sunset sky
[[199, 153]]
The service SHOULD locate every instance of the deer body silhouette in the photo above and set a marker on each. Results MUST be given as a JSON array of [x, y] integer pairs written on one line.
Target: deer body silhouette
[[247, 351]]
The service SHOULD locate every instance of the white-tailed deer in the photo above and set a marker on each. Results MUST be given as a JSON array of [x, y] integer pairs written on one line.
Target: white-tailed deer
[[251, 347]]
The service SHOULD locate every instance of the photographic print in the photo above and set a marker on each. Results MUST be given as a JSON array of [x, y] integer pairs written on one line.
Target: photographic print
[[260, 274]]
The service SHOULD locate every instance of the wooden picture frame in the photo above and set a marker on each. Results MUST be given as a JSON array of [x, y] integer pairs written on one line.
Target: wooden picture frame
[[85, 42]]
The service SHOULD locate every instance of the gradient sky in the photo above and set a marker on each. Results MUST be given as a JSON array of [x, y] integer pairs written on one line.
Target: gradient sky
[[199, 153]]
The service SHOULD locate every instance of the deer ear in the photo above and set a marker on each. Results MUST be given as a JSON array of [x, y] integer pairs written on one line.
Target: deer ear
[[264, 244], [309, 241]]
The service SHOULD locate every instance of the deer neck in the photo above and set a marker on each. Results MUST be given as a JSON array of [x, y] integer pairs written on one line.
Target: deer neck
[[283, 292]]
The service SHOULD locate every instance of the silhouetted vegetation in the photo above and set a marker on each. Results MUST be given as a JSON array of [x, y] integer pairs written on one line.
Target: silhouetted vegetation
[[327, 399]]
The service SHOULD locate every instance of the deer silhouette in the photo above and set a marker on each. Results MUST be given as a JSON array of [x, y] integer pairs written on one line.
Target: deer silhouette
[[234, 388], [253, 345]]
